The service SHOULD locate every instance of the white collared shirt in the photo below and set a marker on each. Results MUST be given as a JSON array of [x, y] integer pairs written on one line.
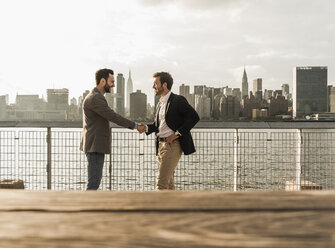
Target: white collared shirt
[[163, 129]]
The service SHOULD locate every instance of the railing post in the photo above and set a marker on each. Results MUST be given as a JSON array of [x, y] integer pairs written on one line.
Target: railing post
[[49, 158], [110, 161], [298, 160], [141, 160], [236, 143]]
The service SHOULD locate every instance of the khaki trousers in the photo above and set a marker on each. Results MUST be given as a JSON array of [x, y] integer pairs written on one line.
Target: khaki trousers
[[168, 158]]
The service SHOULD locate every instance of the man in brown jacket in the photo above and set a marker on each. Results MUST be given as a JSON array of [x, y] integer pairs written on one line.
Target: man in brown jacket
[[96, 138]]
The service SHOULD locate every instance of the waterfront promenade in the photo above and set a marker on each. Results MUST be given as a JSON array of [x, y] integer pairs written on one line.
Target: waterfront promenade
[[167, 219]]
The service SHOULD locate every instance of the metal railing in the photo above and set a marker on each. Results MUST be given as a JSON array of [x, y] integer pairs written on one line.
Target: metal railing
[[230, 156]]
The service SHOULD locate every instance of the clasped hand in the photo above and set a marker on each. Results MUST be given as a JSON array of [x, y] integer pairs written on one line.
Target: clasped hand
[[141, 127]]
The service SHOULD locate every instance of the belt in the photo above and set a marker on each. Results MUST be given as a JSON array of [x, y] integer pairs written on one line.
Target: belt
[[163, 139]]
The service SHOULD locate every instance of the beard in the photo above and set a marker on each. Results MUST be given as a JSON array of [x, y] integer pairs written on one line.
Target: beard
[[107, 88], [159, 91]]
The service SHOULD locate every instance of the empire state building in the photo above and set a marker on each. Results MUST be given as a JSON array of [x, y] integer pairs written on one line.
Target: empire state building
[[129, 90]]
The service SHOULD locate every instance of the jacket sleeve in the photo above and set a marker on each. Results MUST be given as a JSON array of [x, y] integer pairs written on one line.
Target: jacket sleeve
[[151, 128], [100, 106], [191, 117]]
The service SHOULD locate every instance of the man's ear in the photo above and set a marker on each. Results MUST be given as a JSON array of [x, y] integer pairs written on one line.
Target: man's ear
[[102, 80]]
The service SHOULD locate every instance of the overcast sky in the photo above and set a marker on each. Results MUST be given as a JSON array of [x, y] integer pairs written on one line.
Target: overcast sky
[[60, 44]]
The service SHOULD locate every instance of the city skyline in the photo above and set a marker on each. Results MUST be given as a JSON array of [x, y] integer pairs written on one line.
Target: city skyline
[[311, 95], [211, 104], [55, 44], [120, 77]]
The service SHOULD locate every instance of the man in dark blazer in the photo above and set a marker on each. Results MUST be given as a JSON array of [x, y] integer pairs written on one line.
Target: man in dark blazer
[[96, 138], [174, 120]]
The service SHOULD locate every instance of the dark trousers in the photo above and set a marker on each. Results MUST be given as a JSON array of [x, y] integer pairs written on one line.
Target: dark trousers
[[94, 169]]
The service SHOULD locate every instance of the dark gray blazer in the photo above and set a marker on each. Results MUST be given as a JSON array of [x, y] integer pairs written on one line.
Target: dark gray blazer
[[96, 117]]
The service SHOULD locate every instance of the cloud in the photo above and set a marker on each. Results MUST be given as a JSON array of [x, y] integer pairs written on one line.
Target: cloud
[[198, 41], [266, 54], [192, 4]]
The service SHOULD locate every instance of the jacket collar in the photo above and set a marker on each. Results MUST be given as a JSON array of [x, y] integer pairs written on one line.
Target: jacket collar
[[169, 101], [96, 90]]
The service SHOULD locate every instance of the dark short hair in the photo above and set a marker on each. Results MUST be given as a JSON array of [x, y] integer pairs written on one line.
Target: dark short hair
[[102, 73], [164, 77]]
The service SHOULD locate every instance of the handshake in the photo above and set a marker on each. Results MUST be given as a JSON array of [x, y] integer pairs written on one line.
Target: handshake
[[141, 127]]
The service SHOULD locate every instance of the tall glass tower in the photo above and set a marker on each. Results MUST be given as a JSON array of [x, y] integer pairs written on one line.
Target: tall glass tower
[[309, 90]]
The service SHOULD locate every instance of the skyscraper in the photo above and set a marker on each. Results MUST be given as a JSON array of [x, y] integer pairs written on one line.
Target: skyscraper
[[331, 98], [309, 90], [216, 113], [129, 89], [80, 103], [250, 103], [73, 101], [73, 111], [237, 93], [267, 94], [257, 89], [58, 99], [245, 86], [120, 89], [3, 106], [277, 106], [285, 88], [230, 108], [257, 85], [138, 105], [203, 106], [29, 107], [199, 90], [227, 91], [110, 99], [184, 90]]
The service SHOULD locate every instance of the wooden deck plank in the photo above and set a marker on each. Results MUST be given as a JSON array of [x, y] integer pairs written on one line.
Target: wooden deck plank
[[290, 229], [167, 219], [161, 201]]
